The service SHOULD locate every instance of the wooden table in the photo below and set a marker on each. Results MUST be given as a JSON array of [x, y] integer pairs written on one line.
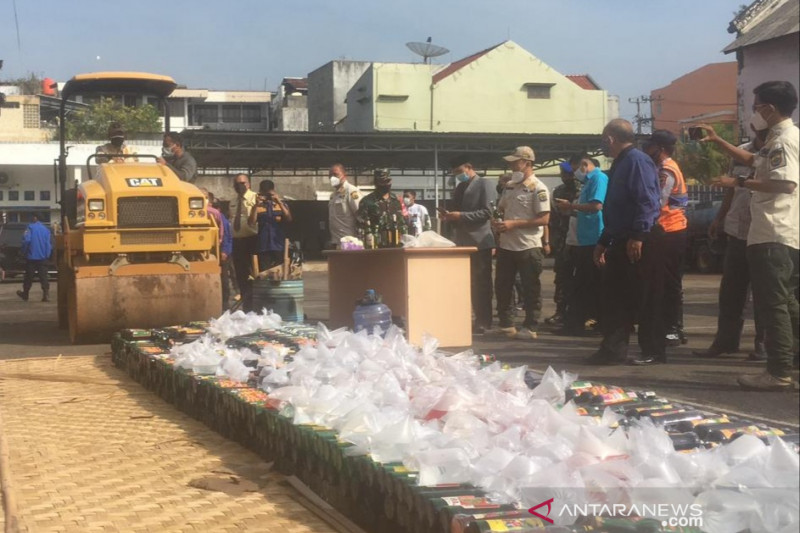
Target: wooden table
[[428, 287]]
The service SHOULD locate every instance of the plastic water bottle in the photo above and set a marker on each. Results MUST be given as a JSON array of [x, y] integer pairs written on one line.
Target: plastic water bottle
[[371, 313]]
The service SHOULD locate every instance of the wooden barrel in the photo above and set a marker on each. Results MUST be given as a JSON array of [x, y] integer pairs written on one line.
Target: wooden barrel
[[282, 297]]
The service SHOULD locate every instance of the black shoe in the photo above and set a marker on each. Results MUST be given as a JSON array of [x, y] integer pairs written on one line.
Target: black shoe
[[647, 360], [23, 295], [600, 359], [45, 298], [673, 339], [758, 357], [479, 330], [555, 320], [711, 352]]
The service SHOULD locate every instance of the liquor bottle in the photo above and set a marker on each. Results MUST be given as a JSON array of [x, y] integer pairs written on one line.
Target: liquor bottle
[[369, 237], [497, 214], [395, 231], [685, 441]]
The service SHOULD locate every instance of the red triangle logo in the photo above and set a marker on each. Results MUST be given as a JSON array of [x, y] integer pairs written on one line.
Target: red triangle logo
[[548, 503]]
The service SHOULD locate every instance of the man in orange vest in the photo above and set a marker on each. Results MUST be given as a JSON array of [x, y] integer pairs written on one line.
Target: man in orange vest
[[662, 310]]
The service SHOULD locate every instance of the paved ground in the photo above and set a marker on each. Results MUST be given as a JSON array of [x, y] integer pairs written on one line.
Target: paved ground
[[91, 451], [29, 330]]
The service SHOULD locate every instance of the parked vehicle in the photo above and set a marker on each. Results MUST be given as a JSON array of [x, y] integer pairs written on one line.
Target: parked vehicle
[[703, 255]]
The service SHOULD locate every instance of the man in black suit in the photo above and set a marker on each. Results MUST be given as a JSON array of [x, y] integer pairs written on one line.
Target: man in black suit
[[471, 216]]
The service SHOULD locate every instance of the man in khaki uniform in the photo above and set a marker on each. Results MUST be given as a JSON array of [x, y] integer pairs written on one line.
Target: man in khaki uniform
[[115, 146], [245, 237], [343, 205], [773, 241]]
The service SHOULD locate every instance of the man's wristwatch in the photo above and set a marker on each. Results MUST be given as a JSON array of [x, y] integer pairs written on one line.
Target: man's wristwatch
[[740, 181]]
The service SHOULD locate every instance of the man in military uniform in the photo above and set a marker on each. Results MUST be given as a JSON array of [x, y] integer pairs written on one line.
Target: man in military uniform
[[115, 146], [381, 206], [773, 241], [556, 237], [343, 205]]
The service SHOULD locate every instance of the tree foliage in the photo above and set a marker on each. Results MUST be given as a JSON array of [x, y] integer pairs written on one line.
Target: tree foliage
[[92, 123], [31, 84], [704, 161]]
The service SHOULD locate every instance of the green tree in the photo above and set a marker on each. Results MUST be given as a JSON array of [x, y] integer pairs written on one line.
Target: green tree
[[31, 84], [92, 123], [704, 161]]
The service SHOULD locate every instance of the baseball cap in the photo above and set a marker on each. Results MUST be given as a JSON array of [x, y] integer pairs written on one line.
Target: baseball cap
[[521, 152], [662, 138], [566, 167]]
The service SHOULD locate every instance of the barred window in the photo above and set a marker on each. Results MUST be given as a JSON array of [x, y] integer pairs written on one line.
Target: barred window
[[30, 116]]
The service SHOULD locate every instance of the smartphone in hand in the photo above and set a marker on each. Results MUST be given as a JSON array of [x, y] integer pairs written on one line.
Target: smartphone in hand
[[696, 133]]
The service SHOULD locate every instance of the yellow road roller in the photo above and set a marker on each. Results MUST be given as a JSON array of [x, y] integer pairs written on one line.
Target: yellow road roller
[[136, 248]]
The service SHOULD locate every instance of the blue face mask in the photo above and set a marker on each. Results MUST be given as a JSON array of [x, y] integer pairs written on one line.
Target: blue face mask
[[461, 178]]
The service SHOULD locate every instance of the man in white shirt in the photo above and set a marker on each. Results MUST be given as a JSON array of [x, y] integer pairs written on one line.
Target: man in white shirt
[[525, 204], [773, 241], [418, 218], [343, 205]]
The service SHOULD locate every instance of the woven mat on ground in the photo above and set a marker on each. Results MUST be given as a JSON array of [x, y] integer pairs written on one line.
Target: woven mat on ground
[[92, 451]]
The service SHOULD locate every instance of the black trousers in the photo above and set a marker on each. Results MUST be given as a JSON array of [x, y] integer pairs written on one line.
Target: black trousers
[[661, 290], [34, 268], [528, 263], [564, 270], [226, 278], [480, 264], [622, 289], [584, 300], [243, 250], [733, 299], [267, 260]]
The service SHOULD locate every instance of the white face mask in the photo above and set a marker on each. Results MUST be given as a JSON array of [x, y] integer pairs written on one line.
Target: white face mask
[[580, 175], [758, 122], [517, 177], [407, 201], [335, 182]]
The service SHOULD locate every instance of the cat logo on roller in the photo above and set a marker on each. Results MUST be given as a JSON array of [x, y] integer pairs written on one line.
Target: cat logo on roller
[[144, 182]]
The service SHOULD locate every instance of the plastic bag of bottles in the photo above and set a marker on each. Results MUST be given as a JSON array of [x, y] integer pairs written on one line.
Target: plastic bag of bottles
[[426, 239]]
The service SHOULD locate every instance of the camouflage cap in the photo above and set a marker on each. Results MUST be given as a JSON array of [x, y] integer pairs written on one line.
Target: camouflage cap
[[382, 175]]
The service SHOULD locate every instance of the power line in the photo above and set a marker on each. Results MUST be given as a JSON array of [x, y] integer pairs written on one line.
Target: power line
[[640, 119]]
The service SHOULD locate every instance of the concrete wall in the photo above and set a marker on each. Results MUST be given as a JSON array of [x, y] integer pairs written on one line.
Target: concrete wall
[[290, 113], [709, 89], [327, 90], [12, 121], [490, 95], [772, 60], [360, 100], [401, 96]]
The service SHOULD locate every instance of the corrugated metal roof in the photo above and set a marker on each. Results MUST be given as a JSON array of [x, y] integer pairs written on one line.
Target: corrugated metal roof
[[783, 20]]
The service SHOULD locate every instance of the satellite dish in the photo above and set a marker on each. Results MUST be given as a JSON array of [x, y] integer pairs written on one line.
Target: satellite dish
[[427, 50]]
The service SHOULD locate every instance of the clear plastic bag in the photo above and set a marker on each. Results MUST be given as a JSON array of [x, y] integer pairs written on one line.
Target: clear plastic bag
[[426, 239]]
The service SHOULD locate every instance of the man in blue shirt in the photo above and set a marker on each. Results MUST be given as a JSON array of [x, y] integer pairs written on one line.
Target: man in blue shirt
[[37, 248], [631, 208], [271, 214], [588, 226]]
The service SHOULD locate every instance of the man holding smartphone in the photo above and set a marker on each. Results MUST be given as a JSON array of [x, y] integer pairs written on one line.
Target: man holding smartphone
[[271, 214]]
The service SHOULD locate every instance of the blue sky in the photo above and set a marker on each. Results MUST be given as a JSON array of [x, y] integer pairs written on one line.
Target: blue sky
[[629, 47]]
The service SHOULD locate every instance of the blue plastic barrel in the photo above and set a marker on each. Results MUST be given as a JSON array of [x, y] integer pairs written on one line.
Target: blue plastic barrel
[[282, 297]]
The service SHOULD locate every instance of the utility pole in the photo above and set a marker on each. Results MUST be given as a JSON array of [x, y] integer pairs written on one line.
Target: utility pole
[[639, 119]]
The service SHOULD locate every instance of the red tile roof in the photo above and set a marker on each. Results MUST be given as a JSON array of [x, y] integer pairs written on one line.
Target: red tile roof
[[584, 81], [461, 63]]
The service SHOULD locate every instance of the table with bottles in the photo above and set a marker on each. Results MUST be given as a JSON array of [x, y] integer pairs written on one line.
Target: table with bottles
[[427, 289]]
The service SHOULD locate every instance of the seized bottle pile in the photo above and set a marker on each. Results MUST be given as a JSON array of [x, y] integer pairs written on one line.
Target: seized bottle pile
[[413, 439]]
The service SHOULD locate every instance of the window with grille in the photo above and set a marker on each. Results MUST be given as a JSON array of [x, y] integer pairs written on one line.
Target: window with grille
[[251, 113], [30, 196], [30, 116], [204, 114], [538, 91], [232, 113], [44, 196], [1, 196], [13, 196]]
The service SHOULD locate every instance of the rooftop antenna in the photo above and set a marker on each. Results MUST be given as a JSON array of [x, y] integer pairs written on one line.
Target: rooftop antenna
[[427, 50]]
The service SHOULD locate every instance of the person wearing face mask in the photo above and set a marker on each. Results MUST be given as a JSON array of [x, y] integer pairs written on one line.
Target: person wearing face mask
[[470, 216], [115, 146], [525, 204], [381, 205], [174, 156], [630, 211], [733, 218], [418, 218], [773, 239], [342, 206], [555, 238], [245, 237], [585, 228], [661, 320]]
